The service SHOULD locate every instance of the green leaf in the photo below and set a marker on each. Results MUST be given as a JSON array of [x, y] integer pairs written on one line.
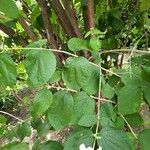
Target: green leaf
[[145, 89], [38, 44], [40, 66], [107, 115], [10, 134], [23, 130], [15, 146], [56, 76], [146, 74], [83, 106], [2, 120], [76, 73], [41, 103], [61, 110], [129, 100], [95, 44], [78, 137], [144, 5], [41, 127], [93, 32], [113, 139], [35, 13], [2, 130], [93, 80], [143, 138], [131, 80], [8, 72], [87, 120], [50, 145], [9, 9], [119, 122], [108, 91], [36, 145], [77, 44], [134, 119]]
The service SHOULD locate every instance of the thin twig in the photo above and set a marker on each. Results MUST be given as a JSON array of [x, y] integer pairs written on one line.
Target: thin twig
[[60, 51], [53, 50], [129, 126], [132, 51], [98, 104], [124, 50], [105, 69], [71, 90], [6, 113], [102, 99], [61, 88]]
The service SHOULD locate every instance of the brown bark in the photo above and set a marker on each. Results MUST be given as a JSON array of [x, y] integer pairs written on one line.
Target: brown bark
[[109, 3], [27, 29], [89, 15], [52, 43], [66, 18], [71, 14], [51, 37], [10, 32]]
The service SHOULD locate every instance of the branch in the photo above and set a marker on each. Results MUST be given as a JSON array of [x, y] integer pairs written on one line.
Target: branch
[[98, 104], [124, 51], [68, 24], [51, 37], [6, 113], [27, 29], [129, 126], [74, 91], [89, 14], [10, 32], [71, 14], [65, 52], [109, 3], [52, 43]]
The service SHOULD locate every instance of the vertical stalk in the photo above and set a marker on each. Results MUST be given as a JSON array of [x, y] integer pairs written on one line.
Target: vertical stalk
[[98, 105]]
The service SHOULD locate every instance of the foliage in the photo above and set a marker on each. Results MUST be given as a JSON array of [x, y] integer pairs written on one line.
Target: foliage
[[67, 54]]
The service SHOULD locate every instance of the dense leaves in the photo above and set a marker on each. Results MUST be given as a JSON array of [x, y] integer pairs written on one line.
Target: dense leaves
[[74, 73]]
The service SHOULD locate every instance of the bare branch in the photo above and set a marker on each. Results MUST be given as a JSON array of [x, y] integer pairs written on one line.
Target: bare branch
[[109, 3], [71, 14], [10, 32], [89, 14], [51, 37], [65, 18], [65, 52], [27, 29], [47, 24], [6, 113]]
